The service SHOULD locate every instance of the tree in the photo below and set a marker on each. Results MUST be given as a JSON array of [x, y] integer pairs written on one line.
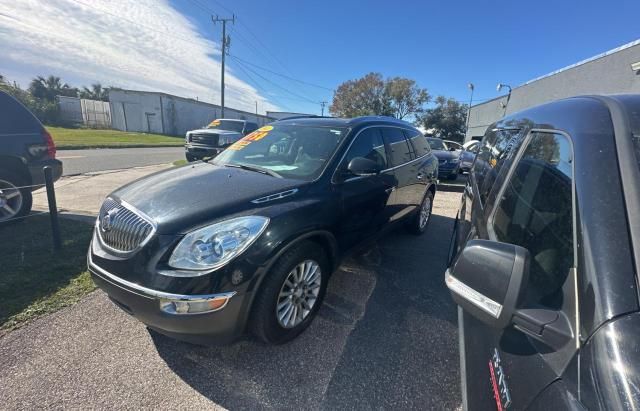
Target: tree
[[46, 111], [446, 120], [50, 87], [96, 92], [360, 97], [405, 97], [373, 95]]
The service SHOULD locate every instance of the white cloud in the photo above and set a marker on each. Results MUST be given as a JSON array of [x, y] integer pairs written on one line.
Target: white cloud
[[141, 45]]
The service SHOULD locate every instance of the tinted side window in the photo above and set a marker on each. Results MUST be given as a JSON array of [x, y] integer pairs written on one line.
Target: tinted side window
[[400, 151], [14, 118], [418, 141], [536, 212], [491, 155], [368, 144]]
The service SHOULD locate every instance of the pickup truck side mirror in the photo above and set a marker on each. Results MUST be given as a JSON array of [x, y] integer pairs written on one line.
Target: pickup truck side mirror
[[361, 166], [488, 280]]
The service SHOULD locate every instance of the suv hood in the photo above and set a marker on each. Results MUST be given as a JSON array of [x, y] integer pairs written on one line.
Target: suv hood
[[183, 198], [212, 131]]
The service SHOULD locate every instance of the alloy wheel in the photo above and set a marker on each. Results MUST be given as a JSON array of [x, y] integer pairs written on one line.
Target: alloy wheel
[[10, 200], [299, 294], [425, 211]]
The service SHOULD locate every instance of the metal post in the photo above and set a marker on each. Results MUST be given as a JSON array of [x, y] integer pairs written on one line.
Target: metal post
[[471, 87], [53, 208]]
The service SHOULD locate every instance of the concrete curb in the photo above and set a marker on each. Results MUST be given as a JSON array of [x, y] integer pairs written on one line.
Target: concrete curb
[[104, 146]]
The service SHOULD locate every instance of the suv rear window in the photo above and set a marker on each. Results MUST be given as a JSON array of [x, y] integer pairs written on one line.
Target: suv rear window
[[418, 141], [15, 118]]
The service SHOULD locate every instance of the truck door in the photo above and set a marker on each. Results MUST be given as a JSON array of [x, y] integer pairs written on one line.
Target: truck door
[[533, 208]]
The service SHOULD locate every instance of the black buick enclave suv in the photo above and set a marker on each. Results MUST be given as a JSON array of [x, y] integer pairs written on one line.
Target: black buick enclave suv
[[251, 237], [544, 260]]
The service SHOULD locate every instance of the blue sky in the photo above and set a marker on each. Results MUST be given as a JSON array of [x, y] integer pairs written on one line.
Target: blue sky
[[173, 46]]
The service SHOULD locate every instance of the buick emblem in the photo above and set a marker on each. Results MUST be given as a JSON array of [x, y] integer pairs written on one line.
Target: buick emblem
[[107, 219]]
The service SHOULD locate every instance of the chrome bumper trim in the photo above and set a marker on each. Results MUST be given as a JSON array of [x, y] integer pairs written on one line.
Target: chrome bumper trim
[[155, 294]]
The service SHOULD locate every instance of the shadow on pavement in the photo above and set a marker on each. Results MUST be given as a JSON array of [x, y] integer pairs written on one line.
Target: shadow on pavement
[[386, 336]]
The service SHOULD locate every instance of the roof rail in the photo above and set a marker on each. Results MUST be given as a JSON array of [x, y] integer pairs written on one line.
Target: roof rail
[[303, 116]]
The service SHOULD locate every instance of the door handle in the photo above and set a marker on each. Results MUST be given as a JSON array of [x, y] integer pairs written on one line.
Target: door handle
[[419, 176], [390, 190]]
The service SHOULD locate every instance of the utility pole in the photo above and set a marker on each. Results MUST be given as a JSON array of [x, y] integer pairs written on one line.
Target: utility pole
[[322, 104], [471, 87], [226, 43]]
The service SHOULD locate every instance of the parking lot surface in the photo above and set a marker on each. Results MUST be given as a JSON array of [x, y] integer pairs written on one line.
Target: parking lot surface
[[385, 337]]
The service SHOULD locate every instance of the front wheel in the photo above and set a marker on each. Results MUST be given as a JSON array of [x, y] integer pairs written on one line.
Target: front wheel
[[420, 220], [291, 294]]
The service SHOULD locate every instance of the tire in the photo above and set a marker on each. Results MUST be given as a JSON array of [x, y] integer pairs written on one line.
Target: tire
[[19, 200], [190, 158], [416, 225], [265, 322]]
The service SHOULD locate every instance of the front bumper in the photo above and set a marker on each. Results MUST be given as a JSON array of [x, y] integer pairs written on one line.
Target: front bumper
[[219, 326], [199, 152], [446, 169]]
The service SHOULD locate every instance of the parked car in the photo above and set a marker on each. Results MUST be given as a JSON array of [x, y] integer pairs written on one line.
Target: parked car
[[468, 154], [213, 139], [251, 237], [25, 149], [448, 158], [544, 259]]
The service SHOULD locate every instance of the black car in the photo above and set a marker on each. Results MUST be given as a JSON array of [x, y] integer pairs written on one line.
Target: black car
[[250, 237], [448, 158], [215, 137], [25, 149], [544, 259]]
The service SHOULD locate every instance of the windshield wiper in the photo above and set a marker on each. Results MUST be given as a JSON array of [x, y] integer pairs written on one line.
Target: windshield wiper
[[254, 168]]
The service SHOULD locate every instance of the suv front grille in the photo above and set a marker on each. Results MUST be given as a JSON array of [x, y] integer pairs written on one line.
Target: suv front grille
[[206, 139], [121, 228]]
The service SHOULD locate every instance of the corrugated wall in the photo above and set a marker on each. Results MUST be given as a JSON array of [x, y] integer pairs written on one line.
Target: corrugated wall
[[160, 113]]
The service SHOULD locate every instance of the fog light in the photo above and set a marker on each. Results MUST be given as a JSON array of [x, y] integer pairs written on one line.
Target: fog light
[[195, 306]]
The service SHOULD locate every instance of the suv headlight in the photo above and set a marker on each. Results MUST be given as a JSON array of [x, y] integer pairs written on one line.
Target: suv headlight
[[213, 246]]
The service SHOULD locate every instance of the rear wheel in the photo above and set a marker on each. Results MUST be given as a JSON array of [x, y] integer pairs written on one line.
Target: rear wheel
[[14, 202], [420, 220], [291, 294], [190, 158]]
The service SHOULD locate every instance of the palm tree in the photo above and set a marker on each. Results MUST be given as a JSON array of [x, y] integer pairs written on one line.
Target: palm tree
[[96, 92], [50, 87]]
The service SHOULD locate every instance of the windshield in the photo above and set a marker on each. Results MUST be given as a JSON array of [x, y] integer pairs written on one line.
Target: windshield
[[292, 151], [437, 144], [228, 125]]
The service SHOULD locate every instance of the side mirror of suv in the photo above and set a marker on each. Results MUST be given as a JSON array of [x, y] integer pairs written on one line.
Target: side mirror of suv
[[488, 281], [361, 166]]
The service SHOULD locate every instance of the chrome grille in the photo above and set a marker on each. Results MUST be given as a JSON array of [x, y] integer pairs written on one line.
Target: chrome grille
[[205, 138], [121, 228]]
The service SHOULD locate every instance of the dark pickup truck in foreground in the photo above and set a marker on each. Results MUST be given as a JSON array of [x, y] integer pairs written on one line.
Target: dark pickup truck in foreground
[[544, 260]]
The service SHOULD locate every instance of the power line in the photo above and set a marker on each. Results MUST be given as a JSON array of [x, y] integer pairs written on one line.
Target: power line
[[259, 87], [271, 82], [282, 75]]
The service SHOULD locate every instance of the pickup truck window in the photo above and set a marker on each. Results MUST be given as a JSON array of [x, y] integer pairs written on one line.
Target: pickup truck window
[[536, 212], [490, 158]]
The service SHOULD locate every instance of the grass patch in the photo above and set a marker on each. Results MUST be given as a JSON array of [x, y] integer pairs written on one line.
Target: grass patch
[[179, 163], [33, 279], [77, 138]]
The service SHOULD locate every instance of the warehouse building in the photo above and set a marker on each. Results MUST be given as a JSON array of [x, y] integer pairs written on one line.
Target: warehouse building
[[612, 72], [153, 112]]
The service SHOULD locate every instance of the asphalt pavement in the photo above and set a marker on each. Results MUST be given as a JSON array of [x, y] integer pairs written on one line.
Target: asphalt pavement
[[92, 160], [386, 337]]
